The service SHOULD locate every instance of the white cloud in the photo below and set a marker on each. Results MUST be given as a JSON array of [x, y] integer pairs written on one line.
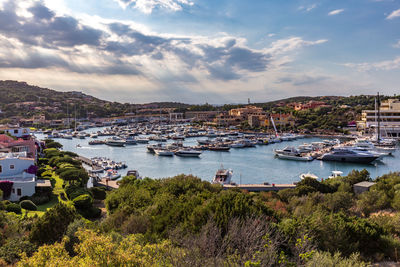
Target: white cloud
[[394, 14], [287, 45], [308, 8], [397, 45], [124, 59], [377, 66], [147, 6], [335, 12]]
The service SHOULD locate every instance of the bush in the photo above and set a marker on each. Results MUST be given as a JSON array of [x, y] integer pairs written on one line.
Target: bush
[[13, 207], [52, 225], [40, 199], [28, 205], [47, 174], [74, 191], [90, 213], [83, 201], [98, 193]]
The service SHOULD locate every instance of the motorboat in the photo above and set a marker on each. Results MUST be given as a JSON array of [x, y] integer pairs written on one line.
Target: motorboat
[[188, 153], [336, 174], [115, 141], [238, 144], [349, 155], [291, 153], [305, 148], [163, 152], [204, 142], [130, 140], [94, 135], [142, 140], [96, 142], [134, 173], [67, 136], [223, 176], [309, 175], [150, 148], [112, 175], [219, 148]]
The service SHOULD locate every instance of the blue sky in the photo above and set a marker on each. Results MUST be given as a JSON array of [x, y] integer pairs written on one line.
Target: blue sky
[[199, 51]]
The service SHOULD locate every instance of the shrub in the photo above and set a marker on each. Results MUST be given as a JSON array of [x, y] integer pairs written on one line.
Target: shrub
[[28, 205], [83, 201], [6, 187], [90, 213], [74, 191], [13, 207], [98, 193], [40, 199], [47, 174], [52, 225]]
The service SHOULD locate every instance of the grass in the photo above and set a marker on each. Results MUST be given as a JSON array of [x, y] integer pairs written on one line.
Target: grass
[[57, 190]]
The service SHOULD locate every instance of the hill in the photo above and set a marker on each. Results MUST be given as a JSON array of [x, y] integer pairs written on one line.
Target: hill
[[24, 100]]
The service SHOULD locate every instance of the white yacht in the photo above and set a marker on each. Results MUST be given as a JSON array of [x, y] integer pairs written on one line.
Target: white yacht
[[292, 154], [163, 152], [309, 175], [336, 174], [223, 176], [115, 141]]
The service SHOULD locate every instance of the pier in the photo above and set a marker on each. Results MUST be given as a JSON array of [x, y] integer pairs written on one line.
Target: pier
[[259, 187]]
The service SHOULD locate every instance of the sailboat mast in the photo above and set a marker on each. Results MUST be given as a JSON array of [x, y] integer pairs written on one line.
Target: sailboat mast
[[379, 119]]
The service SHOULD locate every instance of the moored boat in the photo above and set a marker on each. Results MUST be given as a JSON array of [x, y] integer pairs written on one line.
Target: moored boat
[[188, 153]]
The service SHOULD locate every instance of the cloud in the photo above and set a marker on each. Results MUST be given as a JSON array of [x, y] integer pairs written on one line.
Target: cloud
[[397, 45], [394, 14], [335, 12], [287, 45], [308, 8], [377, 66], [300, 80], [147, 6], [38, 42]]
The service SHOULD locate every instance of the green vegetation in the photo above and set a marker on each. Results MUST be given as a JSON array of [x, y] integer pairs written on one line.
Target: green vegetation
[[183, 221]]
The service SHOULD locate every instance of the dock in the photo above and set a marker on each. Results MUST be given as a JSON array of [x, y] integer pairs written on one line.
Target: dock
[[107, 183], [88, 162], [260, 187]]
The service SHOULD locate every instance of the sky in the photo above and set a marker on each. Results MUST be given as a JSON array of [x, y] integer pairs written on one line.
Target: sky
[[202, 51]]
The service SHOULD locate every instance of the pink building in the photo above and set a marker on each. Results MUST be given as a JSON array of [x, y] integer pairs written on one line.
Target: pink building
[[9, 144]]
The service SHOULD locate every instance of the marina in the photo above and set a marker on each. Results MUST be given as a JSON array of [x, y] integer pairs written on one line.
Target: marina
[[252, 159]]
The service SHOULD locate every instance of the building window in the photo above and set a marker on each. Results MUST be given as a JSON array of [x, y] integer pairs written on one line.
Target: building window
[[12, 167], [13, 190], [19, 192], [15, 131], [1, 169]]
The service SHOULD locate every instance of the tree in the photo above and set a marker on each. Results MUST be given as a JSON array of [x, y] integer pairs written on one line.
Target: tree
[[52, 225]]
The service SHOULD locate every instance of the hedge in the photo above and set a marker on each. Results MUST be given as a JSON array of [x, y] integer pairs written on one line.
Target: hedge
[[28, 205], [83, 201], [13, 207]]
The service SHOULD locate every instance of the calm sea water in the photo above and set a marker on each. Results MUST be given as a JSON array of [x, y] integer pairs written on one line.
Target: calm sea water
[[249, 165]]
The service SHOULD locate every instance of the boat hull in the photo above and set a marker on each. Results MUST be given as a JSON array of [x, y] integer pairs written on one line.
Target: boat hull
[[289, 157], [362, 160]]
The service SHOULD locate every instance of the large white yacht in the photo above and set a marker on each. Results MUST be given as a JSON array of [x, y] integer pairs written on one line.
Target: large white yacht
[[291, 153], [223, 176]]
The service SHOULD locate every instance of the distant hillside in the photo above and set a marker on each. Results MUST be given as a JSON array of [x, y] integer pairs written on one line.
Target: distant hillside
[[22, 99]]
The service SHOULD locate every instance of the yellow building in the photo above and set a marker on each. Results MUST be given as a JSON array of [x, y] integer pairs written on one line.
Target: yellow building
[[280, 119], [246, 112]]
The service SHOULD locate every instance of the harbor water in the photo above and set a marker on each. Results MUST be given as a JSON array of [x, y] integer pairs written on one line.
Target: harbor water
[[250, 165]]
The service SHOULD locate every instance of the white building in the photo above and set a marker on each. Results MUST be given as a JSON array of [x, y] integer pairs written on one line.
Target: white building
[[13, 168], [389, 118], [16, 131]]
